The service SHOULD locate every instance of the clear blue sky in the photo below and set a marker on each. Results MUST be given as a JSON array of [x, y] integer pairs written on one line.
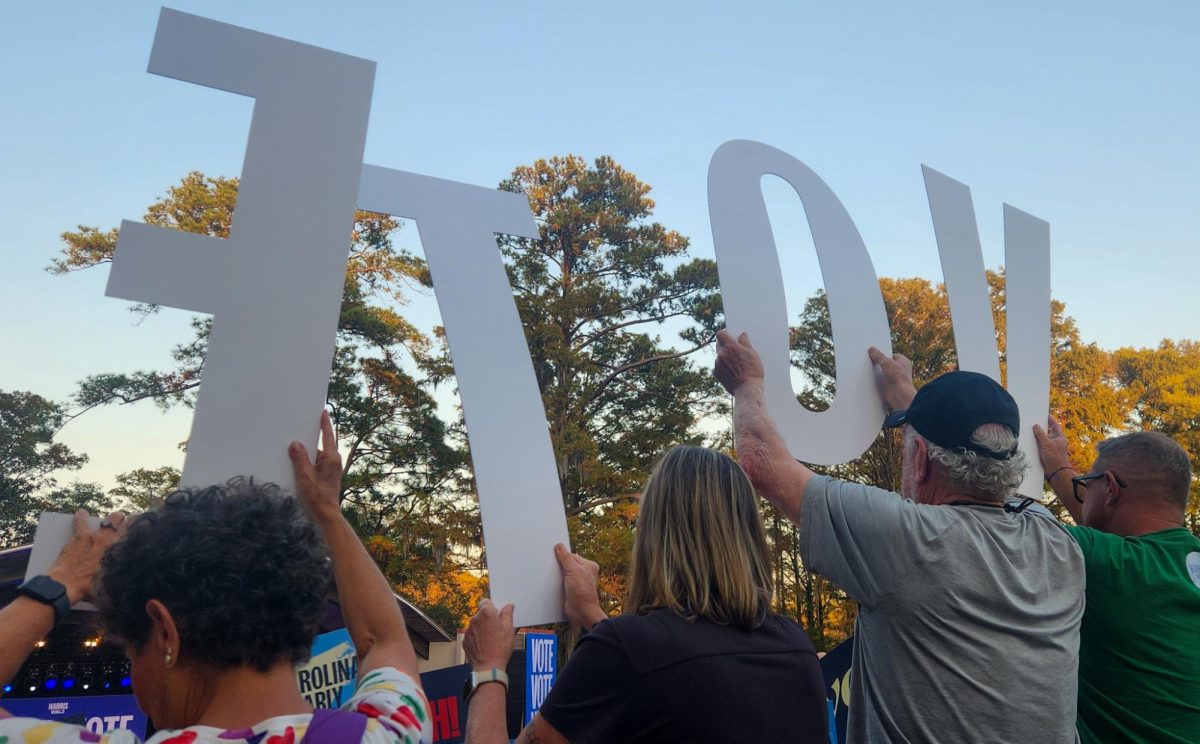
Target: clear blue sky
[[1084, 114]]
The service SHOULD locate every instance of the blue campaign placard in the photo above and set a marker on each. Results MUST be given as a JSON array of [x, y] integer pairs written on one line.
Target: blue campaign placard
[[541, 658], [836, 668], [328, 679], [100, 714]]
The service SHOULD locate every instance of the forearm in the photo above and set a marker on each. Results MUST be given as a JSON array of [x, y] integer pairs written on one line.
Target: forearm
[[23, 623], [486, 723], [369, 608], [584, 619], [902, 398], [764, 456], [591, 617], [1060, 483]]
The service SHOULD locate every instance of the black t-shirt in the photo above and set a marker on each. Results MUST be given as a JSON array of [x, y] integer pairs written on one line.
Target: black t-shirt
[[659, 678]]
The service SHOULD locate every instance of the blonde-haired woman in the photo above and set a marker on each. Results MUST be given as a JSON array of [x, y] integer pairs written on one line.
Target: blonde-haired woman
[[698, 656]]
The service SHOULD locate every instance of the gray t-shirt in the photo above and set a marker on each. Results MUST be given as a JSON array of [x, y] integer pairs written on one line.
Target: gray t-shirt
[[968, 624]]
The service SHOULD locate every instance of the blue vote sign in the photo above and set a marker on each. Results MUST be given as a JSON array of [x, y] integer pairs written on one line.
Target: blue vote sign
[[100, 714]]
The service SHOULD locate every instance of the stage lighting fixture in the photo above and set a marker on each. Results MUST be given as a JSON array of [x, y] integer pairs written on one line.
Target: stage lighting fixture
[[8, 688], [66, 678], [51, 680]]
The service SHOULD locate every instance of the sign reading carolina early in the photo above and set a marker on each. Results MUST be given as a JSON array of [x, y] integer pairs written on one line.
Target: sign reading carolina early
[[329, 677]]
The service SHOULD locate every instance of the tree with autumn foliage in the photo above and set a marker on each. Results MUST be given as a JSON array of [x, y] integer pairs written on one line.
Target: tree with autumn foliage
[[595, 290], [1083, 394], [614, 309], [406, 478], [444, 590], [1162, 388]]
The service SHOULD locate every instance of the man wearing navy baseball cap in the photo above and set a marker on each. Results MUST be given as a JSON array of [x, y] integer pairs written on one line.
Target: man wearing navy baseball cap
[[969, 600], [948, 410]]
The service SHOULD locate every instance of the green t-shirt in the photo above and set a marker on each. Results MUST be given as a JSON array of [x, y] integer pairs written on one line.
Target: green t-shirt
[[1139, 655]]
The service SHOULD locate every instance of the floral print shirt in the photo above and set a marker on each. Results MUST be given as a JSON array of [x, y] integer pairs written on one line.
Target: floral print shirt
[[393, 701]]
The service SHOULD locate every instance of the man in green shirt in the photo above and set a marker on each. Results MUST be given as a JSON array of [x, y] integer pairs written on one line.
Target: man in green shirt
[[1139, 654]]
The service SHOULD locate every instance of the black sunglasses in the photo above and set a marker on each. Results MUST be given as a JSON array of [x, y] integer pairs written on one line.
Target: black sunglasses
[[1083, 480]]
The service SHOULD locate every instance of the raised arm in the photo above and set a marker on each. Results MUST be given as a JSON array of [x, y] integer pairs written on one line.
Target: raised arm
[[760, 450], [25, 621], [1056, 463], [488, 645], [372, 616]]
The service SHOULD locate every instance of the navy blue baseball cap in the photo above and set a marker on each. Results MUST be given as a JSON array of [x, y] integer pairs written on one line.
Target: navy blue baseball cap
[[948, 410]]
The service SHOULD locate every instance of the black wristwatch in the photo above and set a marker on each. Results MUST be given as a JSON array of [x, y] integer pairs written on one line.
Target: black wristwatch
[[48, 591]]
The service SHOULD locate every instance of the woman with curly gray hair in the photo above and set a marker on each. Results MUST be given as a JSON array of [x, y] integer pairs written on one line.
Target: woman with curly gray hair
[[217, 595]]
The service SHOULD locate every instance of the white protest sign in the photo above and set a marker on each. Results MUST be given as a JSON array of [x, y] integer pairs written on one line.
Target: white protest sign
[[275, 287], [1027, 304], [962, 267], [752, 292], [520, 500], [1027, 334], [53, 533]]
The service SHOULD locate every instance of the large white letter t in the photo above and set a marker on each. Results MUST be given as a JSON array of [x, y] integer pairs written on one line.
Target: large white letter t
[[275, 287]]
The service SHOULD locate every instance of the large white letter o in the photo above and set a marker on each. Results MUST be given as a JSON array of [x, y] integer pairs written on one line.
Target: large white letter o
[[752, 291]]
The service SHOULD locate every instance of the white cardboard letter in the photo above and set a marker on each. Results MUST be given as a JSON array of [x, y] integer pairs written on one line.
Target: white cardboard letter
[[275, 287], [54, 531], [962, 267], [1027, 303], [752, 291], [520, 501]]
